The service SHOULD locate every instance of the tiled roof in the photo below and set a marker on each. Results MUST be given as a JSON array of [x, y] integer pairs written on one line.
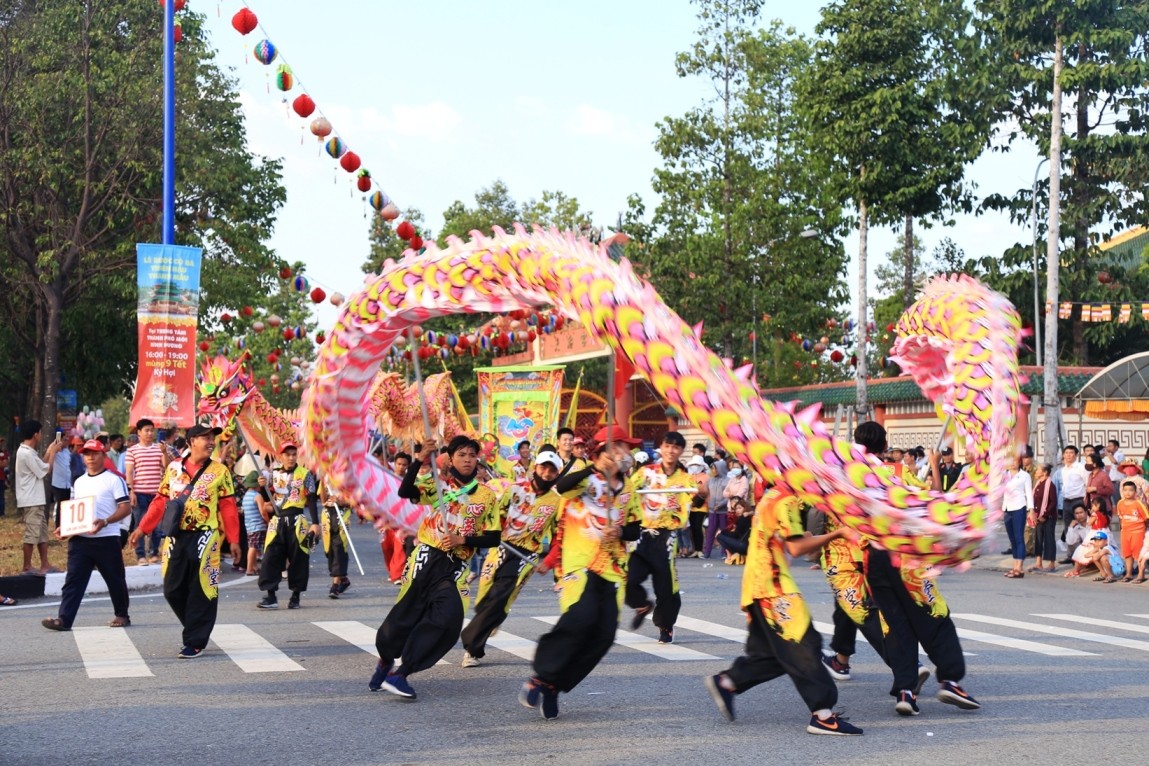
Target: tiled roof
[[903, 389]]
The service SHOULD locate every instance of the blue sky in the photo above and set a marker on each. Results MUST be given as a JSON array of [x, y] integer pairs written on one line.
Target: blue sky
[[440, 99]]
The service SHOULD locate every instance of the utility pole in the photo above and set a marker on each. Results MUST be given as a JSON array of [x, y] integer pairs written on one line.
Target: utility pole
[[1052, 265]]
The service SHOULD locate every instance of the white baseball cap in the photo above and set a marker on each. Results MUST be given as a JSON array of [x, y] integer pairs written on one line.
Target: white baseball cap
[[697, 460], [641, 457], [549, 457]]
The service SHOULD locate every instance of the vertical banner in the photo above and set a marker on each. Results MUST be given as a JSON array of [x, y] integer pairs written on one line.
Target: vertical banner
[[168, 281], [517, 403]]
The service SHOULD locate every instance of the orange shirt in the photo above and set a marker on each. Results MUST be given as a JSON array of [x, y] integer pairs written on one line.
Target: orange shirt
[[1132, 513]]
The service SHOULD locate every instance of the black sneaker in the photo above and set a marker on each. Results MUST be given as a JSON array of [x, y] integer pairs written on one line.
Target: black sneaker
[[952, 694], [723, 698], [923, 676], [531, 693], [380, 675], [839, 671], [549, 702], [344, 584], [907, 703], [640, 615], [189, 653], [333, 592], [397, 685], [269, 602], [665, 636], [835, 724], [293, 602]]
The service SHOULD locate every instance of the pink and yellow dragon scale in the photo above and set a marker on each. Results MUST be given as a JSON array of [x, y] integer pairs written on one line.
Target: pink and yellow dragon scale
[[959, 341]]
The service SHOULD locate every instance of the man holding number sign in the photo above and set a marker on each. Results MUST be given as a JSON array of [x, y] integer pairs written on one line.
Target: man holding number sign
[[91, 518]]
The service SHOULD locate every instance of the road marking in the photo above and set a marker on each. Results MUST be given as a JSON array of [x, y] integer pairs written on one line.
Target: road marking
[[357, 634], [523, 648], [1097, 623], [251, 651], [649, 645], [712, 629], [1142, 616], [1020, 643], [109, 653], [1099, 638]]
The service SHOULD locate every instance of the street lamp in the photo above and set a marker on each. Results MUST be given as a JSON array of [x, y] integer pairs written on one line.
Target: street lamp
[[804, 234], [1036, 298]]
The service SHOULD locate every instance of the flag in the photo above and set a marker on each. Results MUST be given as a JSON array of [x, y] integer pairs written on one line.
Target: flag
[[1086, 313], [623, 372], [572, 409], [1065, 311], [1106, 312], [1126, 313]]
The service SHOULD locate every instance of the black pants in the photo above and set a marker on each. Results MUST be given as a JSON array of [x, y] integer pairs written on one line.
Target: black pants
[[495, 605], [653, 557], [424, 623], [769, 656], [93, 553], [845, 638], [581, 637], [697, 538], [284, 552], [184, 592], [336, 551], [1045, 540], [911, 624]]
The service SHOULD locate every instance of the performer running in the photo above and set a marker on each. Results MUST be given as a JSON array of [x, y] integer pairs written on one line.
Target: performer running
[[915, 612], [528, 510], [335, 542], [425, 621], [289, 538], [782, 640], [654, 556], [589, 546], [571, 461]]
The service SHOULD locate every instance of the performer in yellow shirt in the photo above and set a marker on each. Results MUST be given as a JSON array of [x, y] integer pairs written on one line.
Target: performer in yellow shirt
[[425, 621]]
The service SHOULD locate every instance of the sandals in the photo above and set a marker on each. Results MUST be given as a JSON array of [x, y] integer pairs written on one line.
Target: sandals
[[1099, 578], [120, 622], [1072, 573], [1013, 574], [54, 623], [5, 601], [1108, 580], [1138, 581], [1127, 578]]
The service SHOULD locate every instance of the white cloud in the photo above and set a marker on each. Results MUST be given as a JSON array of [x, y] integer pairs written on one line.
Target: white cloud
[[436, 122], [589, 120]]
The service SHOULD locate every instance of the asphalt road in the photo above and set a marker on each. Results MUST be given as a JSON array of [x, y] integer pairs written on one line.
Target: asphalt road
[[636, 707]]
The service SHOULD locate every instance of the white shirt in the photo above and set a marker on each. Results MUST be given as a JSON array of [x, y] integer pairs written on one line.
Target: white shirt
[[30, 473], [109, 491], [1073, 480], [1114, 472], [1018, 492]]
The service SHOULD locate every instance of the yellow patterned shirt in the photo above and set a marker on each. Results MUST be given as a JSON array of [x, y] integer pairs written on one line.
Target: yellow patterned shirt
[[528, 518], [201, 511], [660, 511], [583, 516], [467, 514], [777, 519]]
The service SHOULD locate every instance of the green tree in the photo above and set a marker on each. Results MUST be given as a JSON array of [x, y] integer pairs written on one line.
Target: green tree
[[385, 243], [885, 102], [80, 159], [729, 241], [494, 206], [557, 210]]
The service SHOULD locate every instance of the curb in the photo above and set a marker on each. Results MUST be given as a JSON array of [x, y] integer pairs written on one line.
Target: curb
[[138, 578]]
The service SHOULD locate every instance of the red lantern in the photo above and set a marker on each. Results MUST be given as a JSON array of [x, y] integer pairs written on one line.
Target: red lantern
[[289, 334], [320, 338], [350, 162], [531, 335], [225, 317], [180, 5], [247, 311], [363, 183], [836, 356], [303, 106], [416, 242], [317, 295], [204, 346], [285, 273], [272, 358], [178, 32], [405, 230], [262, 382], [244, 21]]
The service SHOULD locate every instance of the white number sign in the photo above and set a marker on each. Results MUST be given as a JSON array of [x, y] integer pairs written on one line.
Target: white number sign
[[77, 517]]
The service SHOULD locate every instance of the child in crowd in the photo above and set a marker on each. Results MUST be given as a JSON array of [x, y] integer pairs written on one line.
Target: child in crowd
[[256, 512], [1132, 513], [1099, 516]]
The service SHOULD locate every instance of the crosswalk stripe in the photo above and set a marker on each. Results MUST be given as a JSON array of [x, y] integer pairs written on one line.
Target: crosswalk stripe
[[357, 634], [523, 648], [1142, 616], [1099, 638], [712, 629], [1020, 643], [251, 651], [1097, 623], [649, 645], [109, 653]]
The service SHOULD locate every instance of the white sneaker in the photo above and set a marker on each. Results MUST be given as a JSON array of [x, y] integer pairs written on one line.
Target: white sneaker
[[469, 661]]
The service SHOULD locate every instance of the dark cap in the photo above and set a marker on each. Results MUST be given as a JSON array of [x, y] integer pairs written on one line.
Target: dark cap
[[198, 430], [948, 451]]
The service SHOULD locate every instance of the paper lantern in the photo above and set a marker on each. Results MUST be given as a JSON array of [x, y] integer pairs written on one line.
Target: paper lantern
[[289, 334], [284, 79], [225, 317], [257, 326], [265, 52], [244, 21], [335, 147], [317, 295], [390, 210], [274, 378], [285, 273], [178, 31], [320, 337], [376, 199], [320, 127], [262, 382], [836, 356], [247, 311], [240, 343], [807, 345], [303, 105], [416, 242], [274, 320], [336, 299], [363, 182], [300, 284], [405, 230], [300, 332], [204, 346], [819, 348], [350, 162]]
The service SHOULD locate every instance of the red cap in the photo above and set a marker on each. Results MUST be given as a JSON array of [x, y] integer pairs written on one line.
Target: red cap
[[92, 445], [286, 446], [614, 433], [76, 441]]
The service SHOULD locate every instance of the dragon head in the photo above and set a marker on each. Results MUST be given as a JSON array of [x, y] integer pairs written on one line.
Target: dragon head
[[223, 387]]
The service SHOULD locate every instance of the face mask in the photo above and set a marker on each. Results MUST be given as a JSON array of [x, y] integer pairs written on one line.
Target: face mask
[[736, 472], [694, 470]]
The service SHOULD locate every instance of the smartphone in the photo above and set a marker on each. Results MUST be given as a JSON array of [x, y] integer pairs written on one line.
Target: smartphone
[[59, 436]]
